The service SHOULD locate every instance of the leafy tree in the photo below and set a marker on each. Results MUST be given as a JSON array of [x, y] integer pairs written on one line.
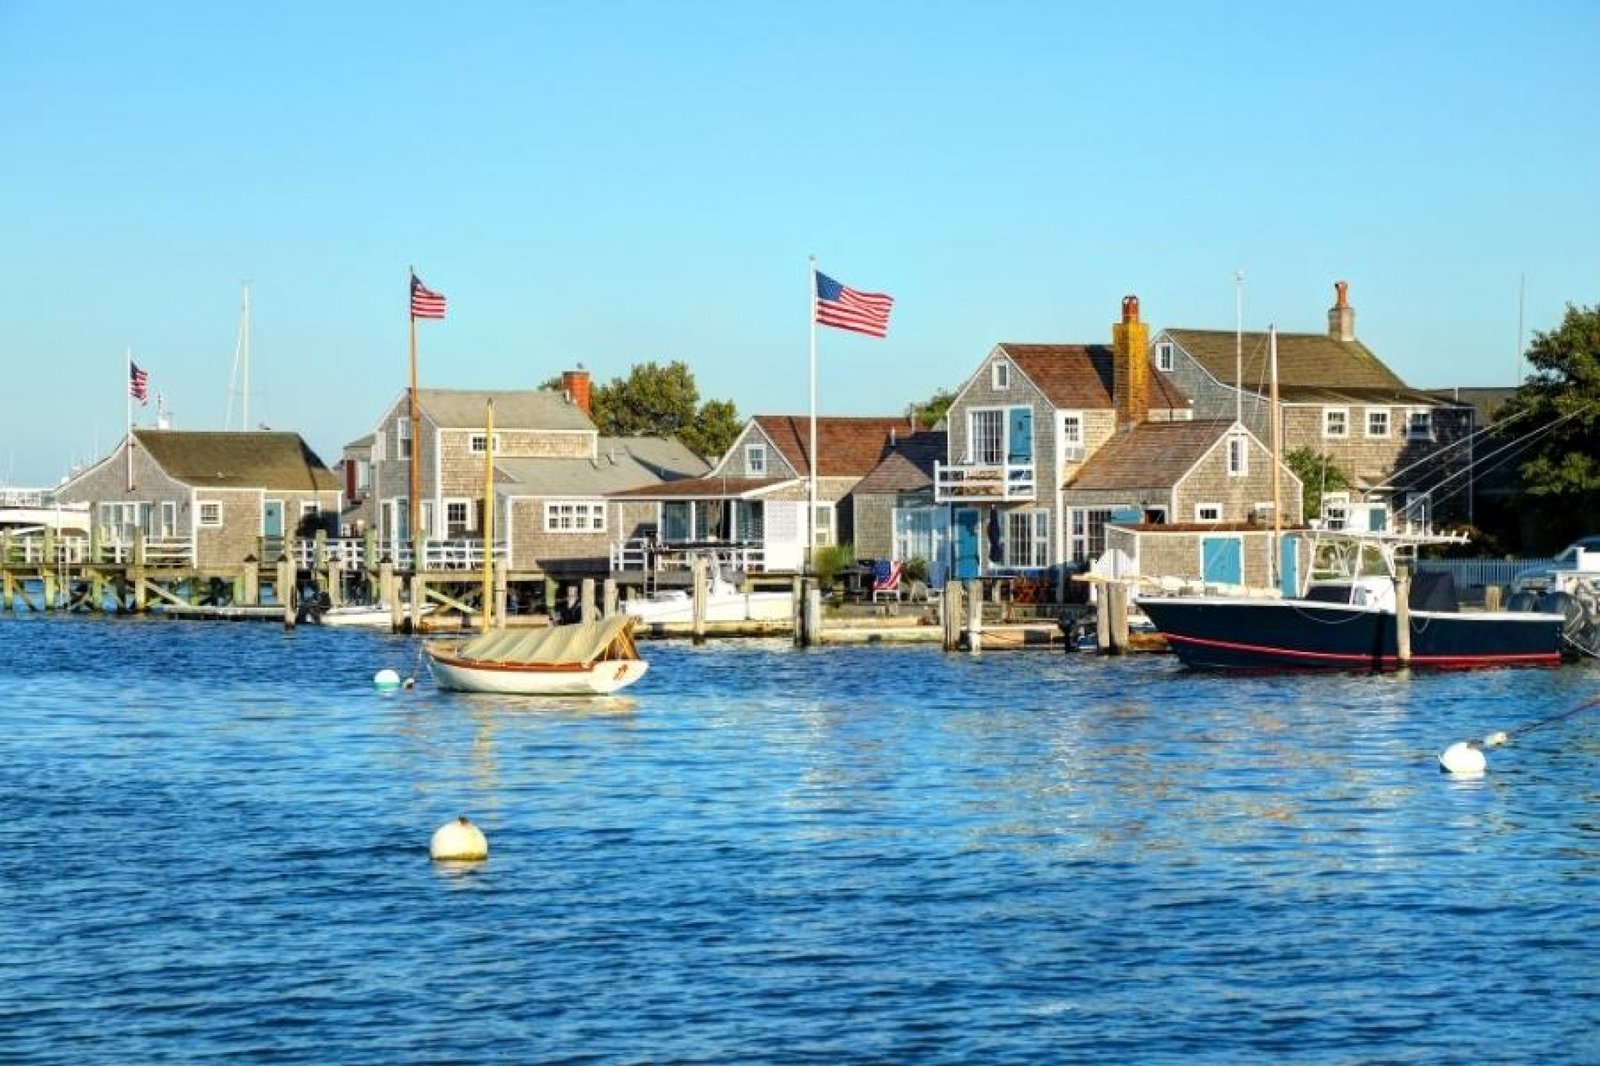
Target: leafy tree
[[1560, 477], [1319, 476], [931, 410], [662, 401]]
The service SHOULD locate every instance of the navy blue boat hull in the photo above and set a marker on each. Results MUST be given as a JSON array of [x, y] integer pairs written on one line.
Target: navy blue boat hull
[[1222, 634]]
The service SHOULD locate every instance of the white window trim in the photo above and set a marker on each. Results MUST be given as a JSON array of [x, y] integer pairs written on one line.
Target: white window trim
[[754, 451], [1003, 414], [478, 443], [1243, 454], [402, 438], [825, 524], [462, 501], [1200, 510], [1388, 422], [1327, 430], [1071, 451], [1164, 356], [1413, 412], [214, 508], [1000, 376], [591, 519]]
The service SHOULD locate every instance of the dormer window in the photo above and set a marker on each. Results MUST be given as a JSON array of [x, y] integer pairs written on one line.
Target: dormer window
[[1000, 375], [1164, 356], [755, 460]]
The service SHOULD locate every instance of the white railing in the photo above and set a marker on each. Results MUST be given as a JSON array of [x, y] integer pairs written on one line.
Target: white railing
[[640, 553], [977, 482]]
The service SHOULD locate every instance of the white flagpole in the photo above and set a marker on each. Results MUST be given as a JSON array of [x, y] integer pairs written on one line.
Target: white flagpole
[[811, 493], [127, 397]]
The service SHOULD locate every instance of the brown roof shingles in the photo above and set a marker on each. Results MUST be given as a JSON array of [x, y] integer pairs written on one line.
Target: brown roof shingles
[[253, 459], [1151, 455], [1311, 366], [849, 447], [1079, 376]]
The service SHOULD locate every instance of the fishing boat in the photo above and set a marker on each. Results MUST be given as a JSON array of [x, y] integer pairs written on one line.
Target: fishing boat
[[582, 659], [1348, 616], [724, 602]]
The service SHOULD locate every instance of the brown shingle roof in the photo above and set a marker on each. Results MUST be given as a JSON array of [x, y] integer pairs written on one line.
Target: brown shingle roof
[[1312, 367], [1079, 376], [909, 465], [848, 446], [245, 460], [513, 409], [1151, 455]]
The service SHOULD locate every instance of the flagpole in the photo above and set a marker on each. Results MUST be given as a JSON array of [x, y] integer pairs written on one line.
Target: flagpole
[[811, 462], [416, 433], [127, 397]]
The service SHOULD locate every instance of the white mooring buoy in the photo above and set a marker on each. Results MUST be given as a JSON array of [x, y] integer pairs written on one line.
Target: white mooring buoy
[[386, 679], [459, 841], [1464, 758]]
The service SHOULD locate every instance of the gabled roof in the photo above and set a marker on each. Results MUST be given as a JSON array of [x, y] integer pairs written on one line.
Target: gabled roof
[[621, 463], [1079, 376], [1150, 455], [1312, 367], [848, 447], [243, 460], [909, 465], [513, 409]]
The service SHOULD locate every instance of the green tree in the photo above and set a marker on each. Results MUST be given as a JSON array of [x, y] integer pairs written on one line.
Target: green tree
[[931, 410], [1319, 475], [662, 401], [1560, 400]]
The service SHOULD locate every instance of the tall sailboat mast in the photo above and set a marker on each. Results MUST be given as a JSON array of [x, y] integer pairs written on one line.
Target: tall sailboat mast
[[241, 365]]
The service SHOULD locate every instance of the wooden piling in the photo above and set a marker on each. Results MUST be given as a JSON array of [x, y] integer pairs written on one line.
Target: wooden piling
[[419, 592], [586, 596], [286, 589], [797, 601], [1402, 616], [698, 611], [1117, 617], [974, 616], [951, 614], [1491, 598], [608, 597]]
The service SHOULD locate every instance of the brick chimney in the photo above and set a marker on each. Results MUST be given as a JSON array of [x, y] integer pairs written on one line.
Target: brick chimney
[[575, 383], [1130, 366], [1341, 316]]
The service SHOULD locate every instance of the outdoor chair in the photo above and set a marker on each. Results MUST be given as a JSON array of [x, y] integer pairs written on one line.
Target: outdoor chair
[[886, 580]]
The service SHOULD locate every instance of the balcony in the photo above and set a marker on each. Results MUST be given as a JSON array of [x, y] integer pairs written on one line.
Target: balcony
[[983, 482]]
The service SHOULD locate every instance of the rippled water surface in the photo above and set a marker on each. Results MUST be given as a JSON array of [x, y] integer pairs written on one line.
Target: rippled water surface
[[214, 845]]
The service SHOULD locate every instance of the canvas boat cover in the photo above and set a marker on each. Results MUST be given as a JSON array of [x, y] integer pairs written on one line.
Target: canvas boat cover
[[583, 642]]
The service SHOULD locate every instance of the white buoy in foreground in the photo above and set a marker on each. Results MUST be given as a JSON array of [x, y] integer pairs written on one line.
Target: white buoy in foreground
[[459, 841], [1464, 758], [386, 679]]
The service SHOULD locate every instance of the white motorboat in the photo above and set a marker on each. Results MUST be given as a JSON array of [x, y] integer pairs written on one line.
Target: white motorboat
[[724, 603]]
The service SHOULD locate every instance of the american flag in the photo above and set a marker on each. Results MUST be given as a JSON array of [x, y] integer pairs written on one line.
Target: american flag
[[138, 383], [842, 307], [425, 303]]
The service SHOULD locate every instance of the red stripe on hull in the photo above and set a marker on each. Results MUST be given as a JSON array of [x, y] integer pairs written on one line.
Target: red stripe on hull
[[1389, 661]]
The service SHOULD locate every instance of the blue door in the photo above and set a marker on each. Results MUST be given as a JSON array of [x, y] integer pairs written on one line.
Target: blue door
[[1222, 560], [969, 559], [1020, 446], [1288, 567], [1378, 519]]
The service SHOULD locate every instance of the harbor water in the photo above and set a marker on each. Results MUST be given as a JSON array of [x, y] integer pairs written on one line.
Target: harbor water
[[215, 847]]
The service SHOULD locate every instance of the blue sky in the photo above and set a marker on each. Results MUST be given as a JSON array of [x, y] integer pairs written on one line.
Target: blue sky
[[613, 183]]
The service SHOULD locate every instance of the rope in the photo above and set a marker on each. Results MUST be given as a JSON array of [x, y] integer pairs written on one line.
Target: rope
[[1541, 723]]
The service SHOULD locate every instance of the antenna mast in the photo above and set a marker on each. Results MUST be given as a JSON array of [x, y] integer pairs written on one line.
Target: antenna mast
[[1238, 346], [1522, 293]]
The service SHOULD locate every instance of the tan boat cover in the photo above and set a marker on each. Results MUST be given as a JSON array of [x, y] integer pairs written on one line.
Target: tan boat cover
[[583, 642]]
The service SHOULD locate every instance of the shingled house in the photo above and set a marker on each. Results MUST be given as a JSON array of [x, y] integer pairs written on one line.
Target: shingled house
[[753, 501], [553, 473], [1398, 444], [214, 497]]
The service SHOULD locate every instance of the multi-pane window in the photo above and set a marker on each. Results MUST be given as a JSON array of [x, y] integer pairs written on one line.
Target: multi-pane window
[[1377, 421], [1088, 539], [988, 429], [402, 436], [478, 443], [1000, 375], [457, 518], [1335, 510], [1335, 422], [755, 460], [1072, 450], [1208, 512], [1238, 456], [574, 516], [210, 513], [1027, 538], [1419, 423], [1164, 356]]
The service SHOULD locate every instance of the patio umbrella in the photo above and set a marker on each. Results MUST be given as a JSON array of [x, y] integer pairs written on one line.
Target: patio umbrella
[[995, 552]]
